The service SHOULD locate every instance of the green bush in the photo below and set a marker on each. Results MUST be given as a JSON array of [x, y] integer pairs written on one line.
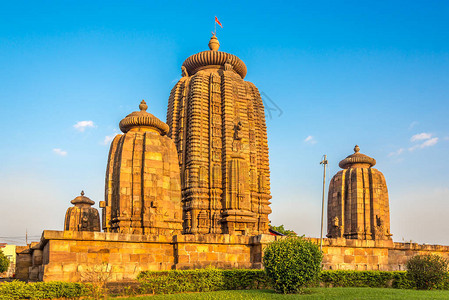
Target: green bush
[[4, 262], [201, 280], [427, 271], [43, 290], [284, 231], [340, 278], [292, 263]]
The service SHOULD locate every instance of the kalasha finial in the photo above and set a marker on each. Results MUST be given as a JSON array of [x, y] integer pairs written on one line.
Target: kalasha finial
[[143, 105], [82, 193], [356, 148], [214, 44]]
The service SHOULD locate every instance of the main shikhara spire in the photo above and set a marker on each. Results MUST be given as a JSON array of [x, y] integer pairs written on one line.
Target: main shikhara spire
[[217, 122]]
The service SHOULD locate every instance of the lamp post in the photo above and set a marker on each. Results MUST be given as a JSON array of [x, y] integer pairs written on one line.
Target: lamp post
[[324, 163]]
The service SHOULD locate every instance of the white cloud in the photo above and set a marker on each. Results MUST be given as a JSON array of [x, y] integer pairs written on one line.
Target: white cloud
[[59, 152], [108, 139], [310, 139], [421, 136], [413, 124], [427, 143], [395, 153], [82, 125]]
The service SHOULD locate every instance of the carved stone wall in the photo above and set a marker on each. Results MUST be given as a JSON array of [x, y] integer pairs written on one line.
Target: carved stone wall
[[217, 122], [358, 206], [143, 187]]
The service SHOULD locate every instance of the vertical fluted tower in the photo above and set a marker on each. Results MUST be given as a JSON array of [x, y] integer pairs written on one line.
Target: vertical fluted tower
[[358, 206], [217, 121], [82, 216], [143, 185]]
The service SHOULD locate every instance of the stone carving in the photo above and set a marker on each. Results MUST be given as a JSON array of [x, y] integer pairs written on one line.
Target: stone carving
[[334, 229], [358, 206], [143, 186], [217, 122], [82, 217], [228, 65], [184, 72]]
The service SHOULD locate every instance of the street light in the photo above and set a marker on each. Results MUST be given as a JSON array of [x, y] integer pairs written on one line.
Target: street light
[[324, 163]]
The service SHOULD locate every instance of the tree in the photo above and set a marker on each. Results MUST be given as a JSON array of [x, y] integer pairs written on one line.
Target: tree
[[4, 262], [284, 231]]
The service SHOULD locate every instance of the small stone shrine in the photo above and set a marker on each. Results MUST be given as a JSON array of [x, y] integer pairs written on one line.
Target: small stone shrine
[[82, 216], [358, 205], [143, 187]]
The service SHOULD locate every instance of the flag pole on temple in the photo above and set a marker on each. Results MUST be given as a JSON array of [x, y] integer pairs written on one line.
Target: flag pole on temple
[[215, 24]]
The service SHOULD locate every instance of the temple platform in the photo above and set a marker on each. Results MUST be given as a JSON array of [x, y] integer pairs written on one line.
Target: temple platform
[[74, 255]]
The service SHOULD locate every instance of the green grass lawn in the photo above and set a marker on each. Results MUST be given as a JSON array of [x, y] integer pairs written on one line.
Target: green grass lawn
[[313, 293]]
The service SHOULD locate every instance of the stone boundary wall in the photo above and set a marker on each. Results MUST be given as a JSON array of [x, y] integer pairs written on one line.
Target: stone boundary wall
[[383, 255], [78, 256]]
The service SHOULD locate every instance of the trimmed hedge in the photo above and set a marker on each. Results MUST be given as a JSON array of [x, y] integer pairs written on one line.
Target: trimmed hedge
[[340, 278], [200, 280], [43, 290]]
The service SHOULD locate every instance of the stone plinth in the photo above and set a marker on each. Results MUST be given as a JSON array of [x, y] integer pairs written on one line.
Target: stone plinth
[[72, 256], [383, 255]]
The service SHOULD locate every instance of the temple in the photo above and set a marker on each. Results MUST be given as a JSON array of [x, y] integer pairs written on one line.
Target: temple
[[194, 192], [358, 205], [217, 122], [143, 188], [82, 216]]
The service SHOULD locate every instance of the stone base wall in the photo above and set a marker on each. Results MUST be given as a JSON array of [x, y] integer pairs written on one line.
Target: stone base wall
[[78, 256], [82, 256], [383, 255]]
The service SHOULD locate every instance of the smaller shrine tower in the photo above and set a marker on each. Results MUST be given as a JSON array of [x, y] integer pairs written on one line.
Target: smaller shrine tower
[[82, 216], [143, 185], [358, 206]]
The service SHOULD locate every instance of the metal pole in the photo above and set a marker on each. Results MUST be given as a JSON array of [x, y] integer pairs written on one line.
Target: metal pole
[[324, 163]]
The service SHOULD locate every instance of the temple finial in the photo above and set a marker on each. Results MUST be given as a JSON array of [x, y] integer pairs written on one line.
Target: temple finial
[[356, 148], [82, 193], [214, 44], [143, 105]]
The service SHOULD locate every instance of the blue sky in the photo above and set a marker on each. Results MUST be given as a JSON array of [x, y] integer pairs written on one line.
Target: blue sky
[[340, 73]]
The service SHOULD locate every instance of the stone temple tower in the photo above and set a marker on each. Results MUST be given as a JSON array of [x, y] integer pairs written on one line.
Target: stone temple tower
[[143, 186], [358, 205], [82, 216], [217, 122]]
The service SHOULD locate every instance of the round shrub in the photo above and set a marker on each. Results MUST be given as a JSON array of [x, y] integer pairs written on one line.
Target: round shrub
[[427, 271], [292, 263]]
